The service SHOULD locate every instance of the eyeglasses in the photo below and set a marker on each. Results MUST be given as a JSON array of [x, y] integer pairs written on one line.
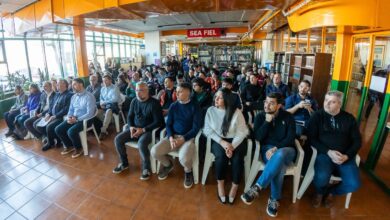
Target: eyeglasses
[[270, 103]]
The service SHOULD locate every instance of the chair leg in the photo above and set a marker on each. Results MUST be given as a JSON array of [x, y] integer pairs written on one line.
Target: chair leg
[[158, 167], [195, 169], [153, 164], [83, 138], [348, 200], [296, 179], [252, 175], [206, 167], [96, 135], [116, 120], [247, 167], [305, 183]]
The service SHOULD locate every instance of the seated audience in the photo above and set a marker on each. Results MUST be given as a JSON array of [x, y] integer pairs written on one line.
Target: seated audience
[[182, 126], [26, 111], [82, 106], [144, 116], [278, 86], [55, 115], [203, 98], [301, 106], [108, 104], [167, 95], [275, 130], [225, 125], [252, 97], [46, 101], [335, 134], [228, 83], [94, 87], [9, 117]]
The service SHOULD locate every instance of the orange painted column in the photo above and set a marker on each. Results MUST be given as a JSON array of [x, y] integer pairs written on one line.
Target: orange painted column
[[81, 48]]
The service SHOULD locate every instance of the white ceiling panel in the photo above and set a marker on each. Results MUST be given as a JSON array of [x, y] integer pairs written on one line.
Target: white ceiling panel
[[10, 6]]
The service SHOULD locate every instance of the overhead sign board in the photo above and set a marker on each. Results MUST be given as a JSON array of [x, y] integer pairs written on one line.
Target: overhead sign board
[[204, 32]]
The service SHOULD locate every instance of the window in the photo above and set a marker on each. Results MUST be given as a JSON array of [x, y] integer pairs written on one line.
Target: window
[[16, 57], [53, 58], [68, 59], [116, 50], [36, 59]]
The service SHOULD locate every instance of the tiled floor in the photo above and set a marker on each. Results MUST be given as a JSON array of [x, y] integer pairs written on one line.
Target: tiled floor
[[47, 185]]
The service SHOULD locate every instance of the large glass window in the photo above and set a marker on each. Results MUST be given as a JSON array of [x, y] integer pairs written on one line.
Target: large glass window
[[68, 61], [16, 57], [36, 59], [53, 58]]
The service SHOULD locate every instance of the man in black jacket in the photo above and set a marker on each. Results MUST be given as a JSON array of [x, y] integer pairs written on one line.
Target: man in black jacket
[[335, 134], [144, 116], [56, 114], [275, 129]]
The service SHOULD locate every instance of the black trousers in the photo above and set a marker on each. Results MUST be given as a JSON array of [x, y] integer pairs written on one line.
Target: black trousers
[[222, 161]]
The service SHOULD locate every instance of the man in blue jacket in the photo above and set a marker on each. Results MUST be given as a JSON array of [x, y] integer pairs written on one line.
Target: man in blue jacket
[[182, 125], [55, 115]]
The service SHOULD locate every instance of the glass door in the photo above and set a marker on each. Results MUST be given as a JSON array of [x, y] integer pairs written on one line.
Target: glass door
[[356, 89]]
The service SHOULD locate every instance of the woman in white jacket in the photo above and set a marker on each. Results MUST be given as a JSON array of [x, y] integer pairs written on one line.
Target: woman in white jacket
[[226, 126]]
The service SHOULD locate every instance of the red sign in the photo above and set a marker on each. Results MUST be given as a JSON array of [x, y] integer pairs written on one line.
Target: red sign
[[204, 32]]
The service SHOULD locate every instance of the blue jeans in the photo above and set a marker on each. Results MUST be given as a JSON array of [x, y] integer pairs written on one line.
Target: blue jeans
[[348, 171], [275, 168], [10, 118], [69, 133], [21, 118]]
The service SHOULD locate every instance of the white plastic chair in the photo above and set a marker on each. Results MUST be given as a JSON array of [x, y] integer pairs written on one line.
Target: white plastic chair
[[120, 112], [134, 144], [310, 175], [210, 158], [195, 162], [293, 170], [83, 133]]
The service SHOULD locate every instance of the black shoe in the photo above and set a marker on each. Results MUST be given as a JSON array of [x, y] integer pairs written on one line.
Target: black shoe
[[272, 207], [250, 195], [222, 199], [163, 174], [46, 147], [121, 167], [145, 174], [231, 200], [9, 133], [188, 180]]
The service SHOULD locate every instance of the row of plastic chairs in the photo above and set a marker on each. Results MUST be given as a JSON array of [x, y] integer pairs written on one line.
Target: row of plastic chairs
[[251, 168]]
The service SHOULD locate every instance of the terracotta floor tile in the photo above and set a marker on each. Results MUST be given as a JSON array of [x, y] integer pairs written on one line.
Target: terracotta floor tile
[[88, 182], [20, 155], [34, 161], [109, 189], [4, 180], [131, 196], [54, 173], [153, 205], [91, 208], [71, 200], [40, 183], [34, 207], [71, 175], [55, 191], [17, 171], [16, 216], [28, 177], [5, 210], [54, 212], [8, 164], [9, 189], [20, 198], [116, 212], [44, 166]]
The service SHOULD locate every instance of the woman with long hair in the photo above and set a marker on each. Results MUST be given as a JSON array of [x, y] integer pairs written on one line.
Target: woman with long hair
[[226, 126]]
